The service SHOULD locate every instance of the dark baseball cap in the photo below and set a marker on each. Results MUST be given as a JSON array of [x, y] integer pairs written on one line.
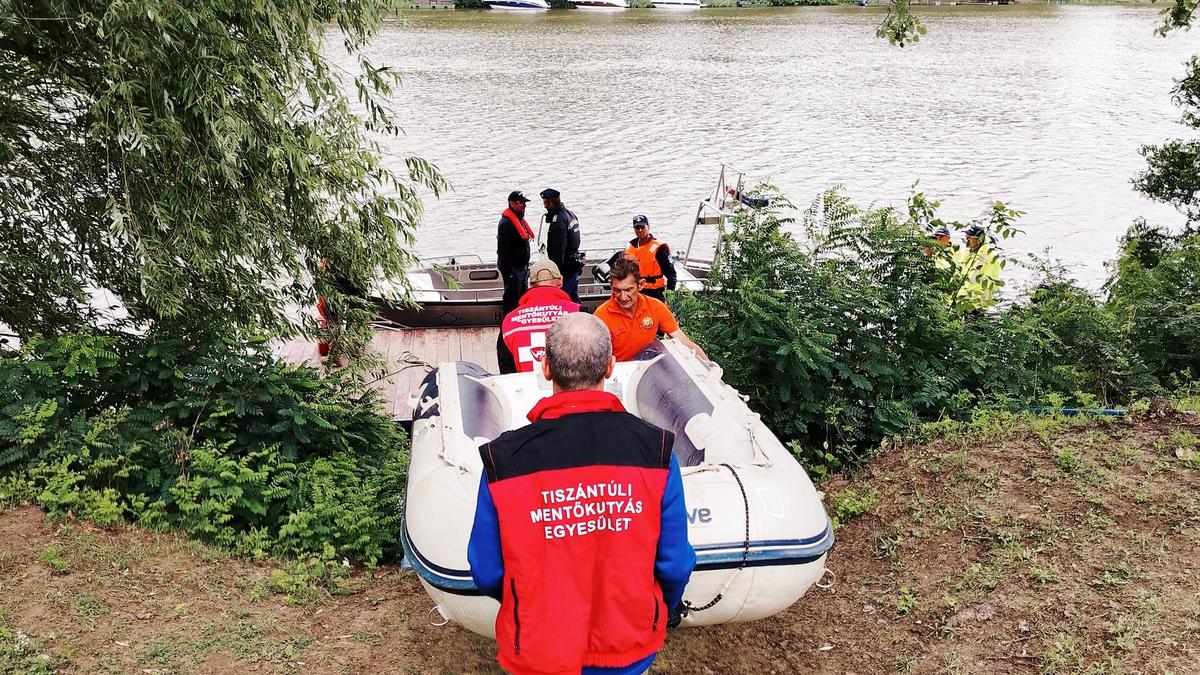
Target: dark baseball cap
[[516, 196], [549, 193], [975, 231], [639, 221], [942, 231]]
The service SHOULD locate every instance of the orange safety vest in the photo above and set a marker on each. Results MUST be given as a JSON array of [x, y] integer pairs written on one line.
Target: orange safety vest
[[647, 261], [523, 228]]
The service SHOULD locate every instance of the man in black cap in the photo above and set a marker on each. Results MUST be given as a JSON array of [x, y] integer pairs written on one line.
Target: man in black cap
[[512, 251], [653, 258], [562, 241]]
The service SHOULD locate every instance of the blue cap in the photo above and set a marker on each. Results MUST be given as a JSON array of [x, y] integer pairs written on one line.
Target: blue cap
[[549, 193]]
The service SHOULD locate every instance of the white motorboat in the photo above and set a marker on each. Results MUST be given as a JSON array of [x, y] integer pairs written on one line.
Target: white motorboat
[[675, 4], [600, 4], [756, 521], [518, 4]]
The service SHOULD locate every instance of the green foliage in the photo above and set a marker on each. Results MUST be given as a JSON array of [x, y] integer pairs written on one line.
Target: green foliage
[[218, 440], [19, 654], [1154, 295], [194, 162], [1177, 15], [850, 504], [53, 557], [853, 336], [906, 600], [900, 26], [850, 334]]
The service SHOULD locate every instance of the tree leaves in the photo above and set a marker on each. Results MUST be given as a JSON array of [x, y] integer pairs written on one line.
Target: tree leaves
[[193, 163]]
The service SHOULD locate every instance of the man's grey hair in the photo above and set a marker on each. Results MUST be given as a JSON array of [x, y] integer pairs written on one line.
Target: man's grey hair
[[578, 348]]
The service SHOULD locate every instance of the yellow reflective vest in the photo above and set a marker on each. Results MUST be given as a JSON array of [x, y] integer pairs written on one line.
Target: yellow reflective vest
[[979, 272]]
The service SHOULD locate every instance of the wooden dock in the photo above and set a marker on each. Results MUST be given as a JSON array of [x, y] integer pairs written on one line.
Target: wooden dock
[[410, 354]]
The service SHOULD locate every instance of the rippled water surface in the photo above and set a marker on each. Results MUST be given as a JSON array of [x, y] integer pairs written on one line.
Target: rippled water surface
[[632, 112]]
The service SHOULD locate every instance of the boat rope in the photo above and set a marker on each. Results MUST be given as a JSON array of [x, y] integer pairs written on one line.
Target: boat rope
[[689, 607], [411, 360], [826, 585], [438, 609]]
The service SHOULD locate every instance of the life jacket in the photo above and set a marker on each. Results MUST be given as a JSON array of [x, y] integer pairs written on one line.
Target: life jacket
[[569, 492], [647, 260], [524, 329], [523, 228]]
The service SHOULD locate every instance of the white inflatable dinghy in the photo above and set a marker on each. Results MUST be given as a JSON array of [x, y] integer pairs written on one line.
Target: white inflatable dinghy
[[756, 522]]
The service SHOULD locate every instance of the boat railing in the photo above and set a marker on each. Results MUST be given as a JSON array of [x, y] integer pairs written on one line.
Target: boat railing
[[458, 259], [711, 210]]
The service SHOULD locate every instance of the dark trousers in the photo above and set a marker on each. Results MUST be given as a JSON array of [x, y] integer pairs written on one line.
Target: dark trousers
[[504, 357], [571, 286], [656, 293], [515, 286]]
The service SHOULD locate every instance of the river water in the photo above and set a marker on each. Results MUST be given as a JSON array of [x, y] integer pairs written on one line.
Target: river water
[[1042, 107]]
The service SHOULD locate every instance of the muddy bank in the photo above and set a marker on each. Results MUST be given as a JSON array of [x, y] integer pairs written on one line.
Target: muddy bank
[[1013, 549]]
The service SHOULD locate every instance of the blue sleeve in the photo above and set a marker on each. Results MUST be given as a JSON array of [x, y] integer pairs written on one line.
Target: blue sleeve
[[676, 558], [483, 550]]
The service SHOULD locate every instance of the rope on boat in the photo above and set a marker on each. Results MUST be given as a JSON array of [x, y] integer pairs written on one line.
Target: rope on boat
[[432, 621], [689, 607], [826, 585]]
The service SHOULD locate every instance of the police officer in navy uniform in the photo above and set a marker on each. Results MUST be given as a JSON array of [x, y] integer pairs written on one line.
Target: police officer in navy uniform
[[562, 241]]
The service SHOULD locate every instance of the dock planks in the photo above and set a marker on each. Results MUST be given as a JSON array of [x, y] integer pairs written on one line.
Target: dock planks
[[410, 354]]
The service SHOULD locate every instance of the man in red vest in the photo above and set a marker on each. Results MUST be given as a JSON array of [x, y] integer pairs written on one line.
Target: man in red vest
[[580, 526], [653, 258], [524, 329]]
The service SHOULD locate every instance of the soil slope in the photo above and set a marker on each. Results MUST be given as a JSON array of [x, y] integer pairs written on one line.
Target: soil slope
[[1023, 546]]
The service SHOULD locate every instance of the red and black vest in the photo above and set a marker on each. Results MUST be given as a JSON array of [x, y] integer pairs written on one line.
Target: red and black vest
[[579, 496], [524, 329]]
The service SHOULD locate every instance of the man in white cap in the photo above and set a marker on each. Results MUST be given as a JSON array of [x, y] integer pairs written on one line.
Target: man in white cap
[[523, 332]]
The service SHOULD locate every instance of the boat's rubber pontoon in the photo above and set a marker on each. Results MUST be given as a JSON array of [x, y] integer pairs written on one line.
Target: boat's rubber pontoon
[[757, 523]]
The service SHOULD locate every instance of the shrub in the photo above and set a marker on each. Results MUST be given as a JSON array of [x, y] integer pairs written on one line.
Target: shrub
[[850, 335], [213, 437]]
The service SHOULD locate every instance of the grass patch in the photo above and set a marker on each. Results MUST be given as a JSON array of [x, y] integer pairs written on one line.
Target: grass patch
[[851, 503]]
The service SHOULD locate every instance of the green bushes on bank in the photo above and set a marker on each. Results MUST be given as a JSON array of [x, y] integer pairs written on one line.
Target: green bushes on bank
[[847, 336], [212, 437]]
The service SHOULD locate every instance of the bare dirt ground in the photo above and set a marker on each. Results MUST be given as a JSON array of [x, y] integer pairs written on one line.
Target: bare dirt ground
[[1040, 546]]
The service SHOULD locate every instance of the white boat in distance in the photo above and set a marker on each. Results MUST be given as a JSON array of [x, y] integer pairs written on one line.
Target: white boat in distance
[[600, 4], [518, 4], [675, 4]]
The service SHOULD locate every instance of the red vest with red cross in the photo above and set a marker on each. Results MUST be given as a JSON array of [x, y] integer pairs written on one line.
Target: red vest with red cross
[[525, 327]]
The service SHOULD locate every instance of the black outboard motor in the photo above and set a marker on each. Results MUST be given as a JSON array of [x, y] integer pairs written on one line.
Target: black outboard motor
[[601, 270]]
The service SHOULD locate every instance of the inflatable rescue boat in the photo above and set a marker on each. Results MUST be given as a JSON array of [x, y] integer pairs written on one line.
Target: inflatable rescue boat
[[755, 519]]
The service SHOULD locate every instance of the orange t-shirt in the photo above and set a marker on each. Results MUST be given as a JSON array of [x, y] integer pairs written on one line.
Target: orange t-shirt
[[632, 334]]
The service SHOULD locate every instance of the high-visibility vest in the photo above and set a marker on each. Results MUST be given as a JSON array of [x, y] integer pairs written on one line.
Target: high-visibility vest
[[647, 260], [523, 228], [980, 274]]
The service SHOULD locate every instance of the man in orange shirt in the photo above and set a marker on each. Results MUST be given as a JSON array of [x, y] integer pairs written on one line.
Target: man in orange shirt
[[634, 319]]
